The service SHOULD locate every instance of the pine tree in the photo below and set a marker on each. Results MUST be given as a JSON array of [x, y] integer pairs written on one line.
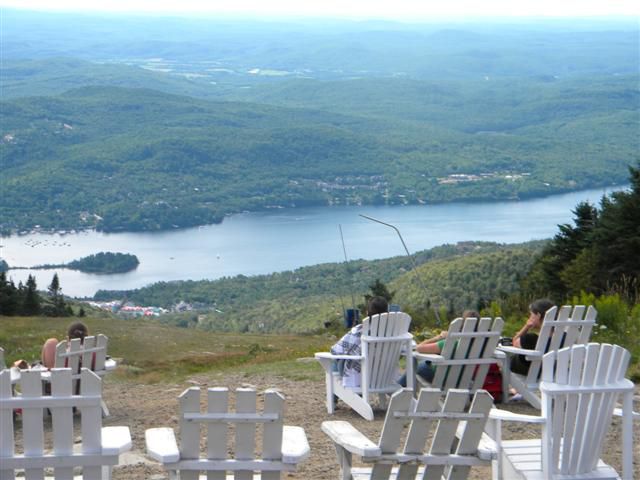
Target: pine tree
[[9, 299], [617, 237], [31, 301], [58, 307]]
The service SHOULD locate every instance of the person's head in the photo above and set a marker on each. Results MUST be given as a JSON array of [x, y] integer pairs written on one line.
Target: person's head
[[377, 305], [77, 330], [470, 314], [538, 308]]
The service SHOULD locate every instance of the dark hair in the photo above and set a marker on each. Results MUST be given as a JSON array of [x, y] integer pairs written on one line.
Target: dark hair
[[377, 305], [471, 314], [541, 306], [77, 330]]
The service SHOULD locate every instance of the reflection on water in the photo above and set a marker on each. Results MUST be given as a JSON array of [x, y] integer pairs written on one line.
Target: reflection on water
[[256, 243]]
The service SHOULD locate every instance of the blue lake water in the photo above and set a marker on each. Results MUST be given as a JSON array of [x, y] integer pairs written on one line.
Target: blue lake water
[[278, 240]]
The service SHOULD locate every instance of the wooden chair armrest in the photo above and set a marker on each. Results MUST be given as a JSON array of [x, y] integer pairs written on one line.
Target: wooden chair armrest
[[499, 355], [346, 436], [295, 446], [498, 414], [519, 351], [619, 413], [487, 448], [431, 357], [331, 356], [115, 440], [161, 445]]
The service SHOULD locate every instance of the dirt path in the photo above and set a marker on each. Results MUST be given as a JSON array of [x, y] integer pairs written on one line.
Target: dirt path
[[145, 406]]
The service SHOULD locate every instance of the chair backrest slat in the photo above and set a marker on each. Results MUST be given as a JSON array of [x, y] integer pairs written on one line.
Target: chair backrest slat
[[245, 432], [36, 455], [461, 348], [62, 419], [7, 445], [2, 362], [562, 327], [445, 433], [379, 369], [580, 418], [246, 422], [467, 340], [473, 430], [217, 433], [189, 431], [272, 437]]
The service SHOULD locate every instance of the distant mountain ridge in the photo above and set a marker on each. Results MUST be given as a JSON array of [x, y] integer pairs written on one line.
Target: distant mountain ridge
[[139, 159], [129, 123]]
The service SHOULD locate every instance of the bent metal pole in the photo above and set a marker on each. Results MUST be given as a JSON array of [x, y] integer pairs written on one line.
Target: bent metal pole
[[413, 262]]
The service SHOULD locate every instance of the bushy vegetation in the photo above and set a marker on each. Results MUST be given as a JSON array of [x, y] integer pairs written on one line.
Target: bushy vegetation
[[26, 300], [106, 262], [599, 254], [305, 299]]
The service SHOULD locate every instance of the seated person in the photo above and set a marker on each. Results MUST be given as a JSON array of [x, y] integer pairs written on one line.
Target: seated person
[[350, 344], [433, 345], [525, 339], [75, 330]]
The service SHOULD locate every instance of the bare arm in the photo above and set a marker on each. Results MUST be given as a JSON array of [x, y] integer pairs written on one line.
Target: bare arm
[[431, 345], [527, 326]]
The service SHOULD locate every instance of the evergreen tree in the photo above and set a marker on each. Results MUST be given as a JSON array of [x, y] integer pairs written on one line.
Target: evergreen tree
[[9, 299], [58, 307], [599, 254], [31, 300], [617, 237]]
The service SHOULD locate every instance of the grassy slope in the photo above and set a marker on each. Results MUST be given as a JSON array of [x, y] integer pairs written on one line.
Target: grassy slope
[[150, 352]]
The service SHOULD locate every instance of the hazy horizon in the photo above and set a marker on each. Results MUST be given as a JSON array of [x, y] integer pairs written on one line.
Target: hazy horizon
[[401, 10]]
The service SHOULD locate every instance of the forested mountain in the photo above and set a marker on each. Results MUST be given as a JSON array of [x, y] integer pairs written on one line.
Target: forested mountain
[[132, 159], [455, 276], [149, 123]]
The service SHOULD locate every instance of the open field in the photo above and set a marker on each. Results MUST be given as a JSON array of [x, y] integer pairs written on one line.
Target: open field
[[156, 363]]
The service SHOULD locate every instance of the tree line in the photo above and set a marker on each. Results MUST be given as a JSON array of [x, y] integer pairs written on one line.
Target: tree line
[[25, 300], [598, 254]]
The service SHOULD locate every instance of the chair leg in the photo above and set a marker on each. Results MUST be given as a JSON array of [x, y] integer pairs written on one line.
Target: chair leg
[[345, 460], [330, 395], [105, 410]]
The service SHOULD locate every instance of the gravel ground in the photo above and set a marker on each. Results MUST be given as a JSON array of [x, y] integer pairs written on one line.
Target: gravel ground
[[146, 406]]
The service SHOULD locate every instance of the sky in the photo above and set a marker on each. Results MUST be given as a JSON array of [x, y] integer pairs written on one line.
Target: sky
[[359, 9]]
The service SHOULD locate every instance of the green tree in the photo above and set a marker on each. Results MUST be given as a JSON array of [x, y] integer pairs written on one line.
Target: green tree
[[376, 289], [617, 237], [9, 297], [57, 307], [31, 302]]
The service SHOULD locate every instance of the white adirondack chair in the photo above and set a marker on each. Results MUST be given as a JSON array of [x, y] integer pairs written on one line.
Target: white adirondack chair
[[3, 365], [385, 338], [283, 447], [562, 327], [457, 443], [100, 447], [580, 387], [468, 351], [90, 353]]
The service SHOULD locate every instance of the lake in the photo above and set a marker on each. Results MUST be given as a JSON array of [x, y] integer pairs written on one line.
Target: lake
[[278, 240]]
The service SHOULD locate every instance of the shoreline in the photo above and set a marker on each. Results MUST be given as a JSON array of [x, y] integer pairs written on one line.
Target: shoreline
[[474, 201]]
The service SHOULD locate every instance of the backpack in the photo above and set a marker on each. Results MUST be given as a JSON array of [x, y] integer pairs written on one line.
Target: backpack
[[493, 383]]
